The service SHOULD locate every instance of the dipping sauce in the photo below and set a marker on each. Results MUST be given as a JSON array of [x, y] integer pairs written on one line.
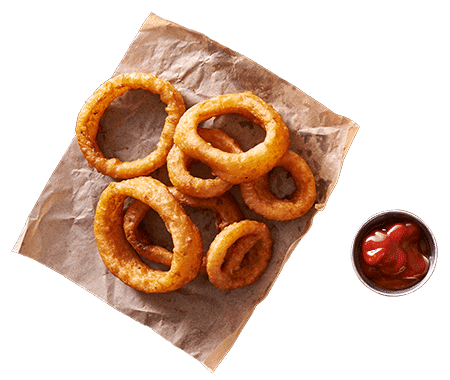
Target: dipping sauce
[[396, 256]]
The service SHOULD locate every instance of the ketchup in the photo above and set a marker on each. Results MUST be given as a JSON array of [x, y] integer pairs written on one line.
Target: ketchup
[[395, 257]]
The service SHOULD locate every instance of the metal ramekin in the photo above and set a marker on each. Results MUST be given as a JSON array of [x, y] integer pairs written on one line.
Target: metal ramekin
[[378, 221]]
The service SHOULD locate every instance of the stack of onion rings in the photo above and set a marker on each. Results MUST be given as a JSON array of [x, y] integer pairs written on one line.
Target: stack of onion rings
[[256, 194], [89, 118], [238, 255], [242, 248], [118, 255], [226, 211], [240, 167]]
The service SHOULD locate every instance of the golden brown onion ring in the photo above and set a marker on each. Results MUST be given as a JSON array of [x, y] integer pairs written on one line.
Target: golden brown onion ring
[[251, 242], [89, 118], [235, 167], [226, 211], [258, 196], [139, 238], [119, 256], [178, 164]]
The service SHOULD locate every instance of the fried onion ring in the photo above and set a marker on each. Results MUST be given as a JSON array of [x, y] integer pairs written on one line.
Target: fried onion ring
[[258, 196], [138, 237], [89, 117], [119, 256], [226, 211], [254, 254], [235, 167], [178, 164]]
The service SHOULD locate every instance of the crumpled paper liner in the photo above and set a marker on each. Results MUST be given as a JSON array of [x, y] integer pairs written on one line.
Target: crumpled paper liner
[[198, 318]]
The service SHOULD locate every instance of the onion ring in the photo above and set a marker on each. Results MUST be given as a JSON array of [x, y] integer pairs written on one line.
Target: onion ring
[[138, 237], [252, 266], [119, 256], [258, 197], [226, 211], [178, 164], [89, 118], [235, 167]]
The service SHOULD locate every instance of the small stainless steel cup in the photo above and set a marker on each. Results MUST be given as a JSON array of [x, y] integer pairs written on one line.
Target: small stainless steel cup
[[378, 221]]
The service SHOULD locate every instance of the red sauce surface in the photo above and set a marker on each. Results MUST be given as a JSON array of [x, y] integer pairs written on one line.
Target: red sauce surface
[[395, 257]]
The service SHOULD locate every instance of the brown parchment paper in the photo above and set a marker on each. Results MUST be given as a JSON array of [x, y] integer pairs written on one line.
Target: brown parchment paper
[[198, 318]]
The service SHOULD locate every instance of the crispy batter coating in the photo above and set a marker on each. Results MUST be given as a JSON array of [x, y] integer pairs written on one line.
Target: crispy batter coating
[[139, 238], [89, 118], [178, 164], [247, 247], [235, 167], [258, 196], [119, 256]]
